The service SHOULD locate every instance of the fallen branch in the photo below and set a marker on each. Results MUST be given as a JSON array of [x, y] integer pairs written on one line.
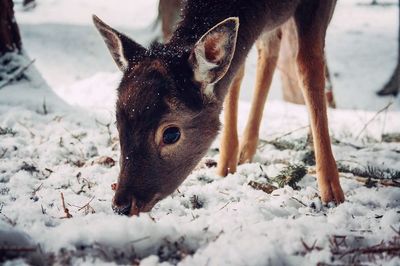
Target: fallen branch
[[373, 250], [369, 180], [384, 250], [267, 188]]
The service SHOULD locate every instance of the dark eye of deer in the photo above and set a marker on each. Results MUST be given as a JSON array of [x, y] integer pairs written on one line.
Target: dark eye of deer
[[171, 135]]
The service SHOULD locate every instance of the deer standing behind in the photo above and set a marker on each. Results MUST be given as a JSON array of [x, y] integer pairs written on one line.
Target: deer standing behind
[[169, 16], [171, 94]]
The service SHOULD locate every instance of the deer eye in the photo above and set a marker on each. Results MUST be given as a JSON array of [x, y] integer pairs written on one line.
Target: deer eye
[[171, 135]]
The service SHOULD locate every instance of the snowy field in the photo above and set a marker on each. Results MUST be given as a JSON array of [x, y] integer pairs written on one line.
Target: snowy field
[[57, 135]]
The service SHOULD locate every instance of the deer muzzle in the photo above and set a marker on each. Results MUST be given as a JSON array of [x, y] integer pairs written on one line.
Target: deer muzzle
[[132, 207]]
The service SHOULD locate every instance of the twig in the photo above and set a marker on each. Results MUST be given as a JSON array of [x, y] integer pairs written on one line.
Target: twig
[[45, 112], [337, 141], [139, 239], [310, 248], [43, 209], [17, 74], [37, 189], [299, 201], [3, 152], [8, 220], [396, 231], [108, 127], [30, 131], [373, 118], [66, 211], [226, 204], [285, 134], [78, 137], [87, 204], [384, 124]]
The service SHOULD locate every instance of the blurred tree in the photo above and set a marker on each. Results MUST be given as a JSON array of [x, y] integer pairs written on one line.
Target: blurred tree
[[392, 86], [10, 38]]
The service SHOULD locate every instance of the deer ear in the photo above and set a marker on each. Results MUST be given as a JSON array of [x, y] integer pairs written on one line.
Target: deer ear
[[123, 50], [213, 53]]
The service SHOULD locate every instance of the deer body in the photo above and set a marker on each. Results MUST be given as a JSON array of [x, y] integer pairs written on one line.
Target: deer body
[[171, 94], [255, 16]]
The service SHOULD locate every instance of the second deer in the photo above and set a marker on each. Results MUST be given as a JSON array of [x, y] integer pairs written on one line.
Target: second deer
[[169, 16]]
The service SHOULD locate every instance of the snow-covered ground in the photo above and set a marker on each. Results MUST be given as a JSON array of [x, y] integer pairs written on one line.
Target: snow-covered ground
[[52, 144]]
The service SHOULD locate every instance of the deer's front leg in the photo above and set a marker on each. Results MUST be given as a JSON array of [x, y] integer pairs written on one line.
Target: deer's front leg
[[229, 147], [268, 49]]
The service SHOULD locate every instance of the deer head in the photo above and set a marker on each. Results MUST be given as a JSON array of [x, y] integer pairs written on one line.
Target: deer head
[[167, 110]]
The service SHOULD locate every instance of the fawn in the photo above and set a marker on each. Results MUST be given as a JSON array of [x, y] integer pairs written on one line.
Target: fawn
[[171, 94]]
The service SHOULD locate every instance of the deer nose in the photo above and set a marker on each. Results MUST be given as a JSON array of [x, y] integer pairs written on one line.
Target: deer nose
[[121, 203], [121, 209], [124, 205]]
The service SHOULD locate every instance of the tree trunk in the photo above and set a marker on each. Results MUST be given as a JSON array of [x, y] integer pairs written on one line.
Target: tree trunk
[[10, 39], [392, 86]]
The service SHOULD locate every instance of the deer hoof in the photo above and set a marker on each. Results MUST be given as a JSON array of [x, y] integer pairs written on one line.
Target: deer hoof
[[247, 151], [332, 192]]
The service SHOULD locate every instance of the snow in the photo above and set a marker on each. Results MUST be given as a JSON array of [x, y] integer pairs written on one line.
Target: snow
[[59, 137]]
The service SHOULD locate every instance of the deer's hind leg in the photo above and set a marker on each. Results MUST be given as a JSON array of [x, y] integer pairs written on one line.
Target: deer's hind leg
[[311, 21], [268, 46], [229, 147]]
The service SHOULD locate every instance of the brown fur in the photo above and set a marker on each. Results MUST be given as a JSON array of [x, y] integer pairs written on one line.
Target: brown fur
[[149, 170]]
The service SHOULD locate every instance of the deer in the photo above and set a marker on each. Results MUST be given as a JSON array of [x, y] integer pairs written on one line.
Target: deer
[[169, 16], [171, 95]]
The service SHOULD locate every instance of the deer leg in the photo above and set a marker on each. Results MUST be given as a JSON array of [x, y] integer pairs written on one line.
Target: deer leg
[[328, 86], [169, 11], [287, 64], [229, 147], [311, 66], [268, 50]]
